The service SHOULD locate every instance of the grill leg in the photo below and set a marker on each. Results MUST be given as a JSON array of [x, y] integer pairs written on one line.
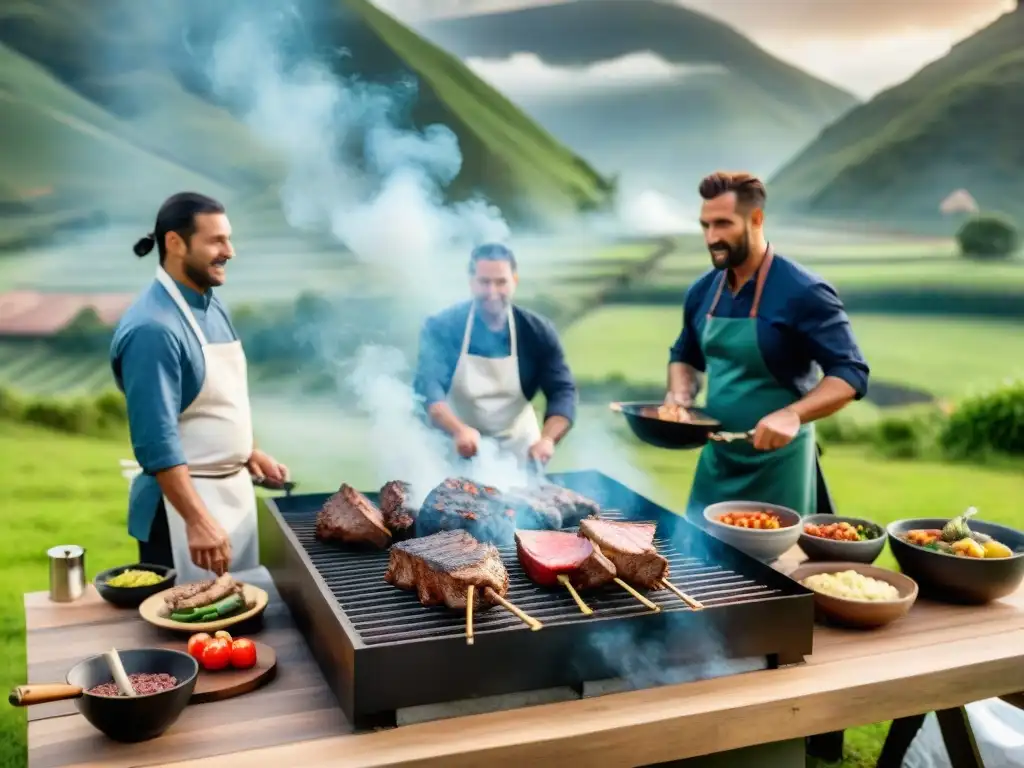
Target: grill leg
[[897, 742], [826, 746], [959, 738]]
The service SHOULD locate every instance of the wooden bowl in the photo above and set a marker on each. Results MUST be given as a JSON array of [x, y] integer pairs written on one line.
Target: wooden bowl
[[861, 614], [155, 611]]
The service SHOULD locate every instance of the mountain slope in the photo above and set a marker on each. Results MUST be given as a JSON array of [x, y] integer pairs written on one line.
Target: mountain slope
[[141, 72], [741, 107], [955, 124]]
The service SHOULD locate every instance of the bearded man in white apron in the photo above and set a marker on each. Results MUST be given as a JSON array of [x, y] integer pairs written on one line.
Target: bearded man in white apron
[[178, 360], [482, 362]]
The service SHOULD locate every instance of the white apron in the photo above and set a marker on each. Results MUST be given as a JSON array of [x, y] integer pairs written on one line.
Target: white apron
[[216, 436], [486, 394]]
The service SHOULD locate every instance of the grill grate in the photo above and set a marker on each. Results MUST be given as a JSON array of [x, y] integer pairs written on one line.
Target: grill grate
[[381, 613]]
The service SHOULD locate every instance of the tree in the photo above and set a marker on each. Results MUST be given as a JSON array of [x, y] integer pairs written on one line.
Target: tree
[[988, 237]]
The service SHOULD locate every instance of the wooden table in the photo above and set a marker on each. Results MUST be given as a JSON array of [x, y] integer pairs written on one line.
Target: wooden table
[[852, 678]]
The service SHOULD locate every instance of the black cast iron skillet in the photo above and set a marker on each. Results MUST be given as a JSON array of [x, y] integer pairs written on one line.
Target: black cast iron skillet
[[121, 718], [661, 433]]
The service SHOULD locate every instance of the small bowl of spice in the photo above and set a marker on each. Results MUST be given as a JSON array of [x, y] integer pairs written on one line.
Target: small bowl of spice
[[845, 539], [128, 586]]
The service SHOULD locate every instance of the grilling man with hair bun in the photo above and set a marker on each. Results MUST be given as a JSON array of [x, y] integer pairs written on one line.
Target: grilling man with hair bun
[[763, 329], [482, 362], [178, 360]]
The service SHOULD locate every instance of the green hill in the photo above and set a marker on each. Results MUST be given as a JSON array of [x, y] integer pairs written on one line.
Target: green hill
[[110, 106], [745, 109], [955, 124]]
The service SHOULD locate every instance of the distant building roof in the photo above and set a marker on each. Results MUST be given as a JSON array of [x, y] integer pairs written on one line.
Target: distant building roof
[[960, 201], [34, 313]]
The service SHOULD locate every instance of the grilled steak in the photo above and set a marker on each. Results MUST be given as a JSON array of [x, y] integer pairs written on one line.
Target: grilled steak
[[351, 517], [218, 590], [441, 567], [549, 506], [399, 515], [186, 591], [458, 503], [631, 547], [547, 554]]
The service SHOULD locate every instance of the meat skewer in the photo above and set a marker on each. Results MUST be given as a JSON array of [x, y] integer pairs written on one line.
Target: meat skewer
[[441, 568], [585, 609], [630, 546], [695, 604], [469, 614], [553, 558]]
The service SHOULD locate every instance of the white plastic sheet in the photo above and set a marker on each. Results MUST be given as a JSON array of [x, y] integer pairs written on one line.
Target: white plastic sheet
[[998, 729]]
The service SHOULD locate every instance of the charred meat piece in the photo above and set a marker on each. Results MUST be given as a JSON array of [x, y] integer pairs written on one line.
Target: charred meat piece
[[631, 547], [399, 515], [186, 591], [351, 517], [217, 590], [549, 507], [441, 567], [547, 554], [461, 504]]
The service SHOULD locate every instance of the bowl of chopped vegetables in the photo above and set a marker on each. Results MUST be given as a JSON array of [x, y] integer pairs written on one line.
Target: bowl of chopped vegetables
[[961, 560], [846, 539], [857, 594], [128, 586], [764, 531]]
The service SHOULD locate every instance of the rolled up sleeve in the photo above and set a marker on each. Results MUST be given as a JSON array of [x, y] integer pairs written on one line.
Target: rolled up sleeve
[[150, 368], [823, 322], [687, 346], [556, 379], [433, 369]]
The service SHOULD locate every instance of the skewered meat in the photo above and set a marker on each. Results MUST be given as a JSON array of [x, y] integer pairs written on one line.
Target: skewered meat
[[458, 503], [399, 514], [631, 547], [351, 517], [550, 507], [441, 567], [546, 554]]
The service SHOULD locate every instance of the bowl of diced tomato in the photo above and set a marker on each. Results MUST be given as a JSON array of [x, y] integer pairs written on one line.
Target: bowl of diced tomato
[[843, 539], [764, 531]]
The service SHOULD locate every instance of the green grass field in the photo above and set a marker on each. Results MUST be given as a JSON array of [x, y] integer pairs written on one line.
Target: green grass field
[[87, 507], [945, 356]]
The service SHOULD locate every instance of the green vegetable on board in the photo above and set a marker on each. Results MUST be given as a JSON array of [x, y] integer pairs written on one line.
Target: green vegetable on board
[[219, 610]]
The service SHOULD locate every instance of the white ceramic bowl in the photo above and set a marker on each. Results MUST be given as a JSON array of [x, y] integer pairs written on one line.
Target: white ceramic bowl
[[765, 545]]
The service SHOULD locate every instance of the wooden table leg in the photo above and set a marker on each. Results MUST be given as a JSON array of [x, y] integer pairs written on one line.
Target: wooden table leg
[[826, 746], [897, 742], [959, 738]]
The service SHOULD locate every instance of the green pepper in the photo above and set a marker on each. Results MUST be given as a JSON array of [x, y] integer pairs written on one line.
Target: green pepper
[[229, 605]]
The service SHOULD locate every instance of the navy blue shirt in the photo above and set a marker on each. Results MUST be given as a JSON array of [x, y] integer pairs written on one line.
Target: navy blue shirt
[[542, 364], [158, 363], [801, 322]]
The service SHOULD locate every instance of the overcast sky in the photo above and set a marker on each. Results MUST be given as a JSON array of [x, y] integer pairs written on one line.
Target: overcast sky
[[862, 45]]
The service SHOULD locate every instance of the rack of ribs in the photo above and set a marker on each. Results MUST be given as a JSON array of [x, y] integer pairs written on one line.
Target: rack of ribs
[[630, 546], [550, 507], [350, 517], [441, 567]]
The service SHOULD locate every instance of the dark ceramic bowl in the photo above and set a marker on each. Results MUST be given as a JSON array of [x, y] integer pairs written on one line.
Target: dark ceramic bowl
[[133, 597], [954, 579], [140, 717], [817, 548]]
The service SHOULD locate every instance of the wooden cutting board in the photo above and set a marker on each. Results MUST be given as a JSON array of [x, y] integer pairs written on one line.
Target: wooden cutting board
[[228, 683]]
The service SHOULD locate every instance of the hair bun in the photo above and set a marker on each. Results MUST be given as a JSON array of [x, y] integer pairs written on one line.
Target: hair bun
[[144, 245]]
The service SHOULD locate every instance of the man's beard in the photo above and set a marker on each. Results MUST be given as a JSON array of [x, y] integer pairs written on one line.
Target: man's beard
[[199, 276], [735, 254]]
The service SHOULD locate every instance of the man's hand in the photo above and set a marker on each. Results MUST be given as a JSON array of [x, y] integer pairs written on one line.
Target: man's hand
[[265, 469], [776, 430], [542, 450], [679, 398], [209, 545], [467, 442]]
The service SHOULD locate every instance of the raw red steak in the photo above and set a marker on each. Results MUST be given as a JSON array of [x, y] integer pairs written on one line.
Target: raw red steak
[[547, 554], [631, 547]]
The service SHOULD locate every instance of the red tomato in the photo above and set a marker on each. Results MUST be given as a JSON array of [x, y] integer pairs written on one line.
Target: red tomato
[[216, 654], [243, 654], [196, 643]]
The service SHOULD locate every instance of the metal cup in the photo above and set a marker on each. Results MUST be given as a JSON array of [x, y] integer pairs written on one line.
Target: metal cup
[[67, 573]]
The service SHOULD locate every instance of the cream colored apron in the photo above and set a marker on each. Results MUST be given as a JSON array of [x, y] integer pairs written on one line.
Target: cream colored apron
[[486, 394], [216, 436]]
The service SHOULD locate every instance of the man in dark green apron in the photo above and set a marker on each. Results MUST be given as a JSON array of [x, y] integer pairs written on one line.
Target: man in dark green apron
[[763, 329]]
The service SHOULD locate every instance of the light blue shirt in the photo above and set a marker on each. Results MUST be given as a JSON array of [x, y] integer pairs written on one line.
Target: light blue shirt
[[158, 363]]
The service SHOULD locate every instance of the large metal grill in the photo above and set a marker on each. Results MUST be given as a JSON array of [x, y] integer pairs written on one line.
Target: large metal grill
[[381, 650]]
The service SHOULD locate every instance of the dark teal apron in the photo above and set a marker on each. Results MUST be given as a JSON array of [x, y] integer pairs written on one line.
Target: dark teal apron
[[742, 391]]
